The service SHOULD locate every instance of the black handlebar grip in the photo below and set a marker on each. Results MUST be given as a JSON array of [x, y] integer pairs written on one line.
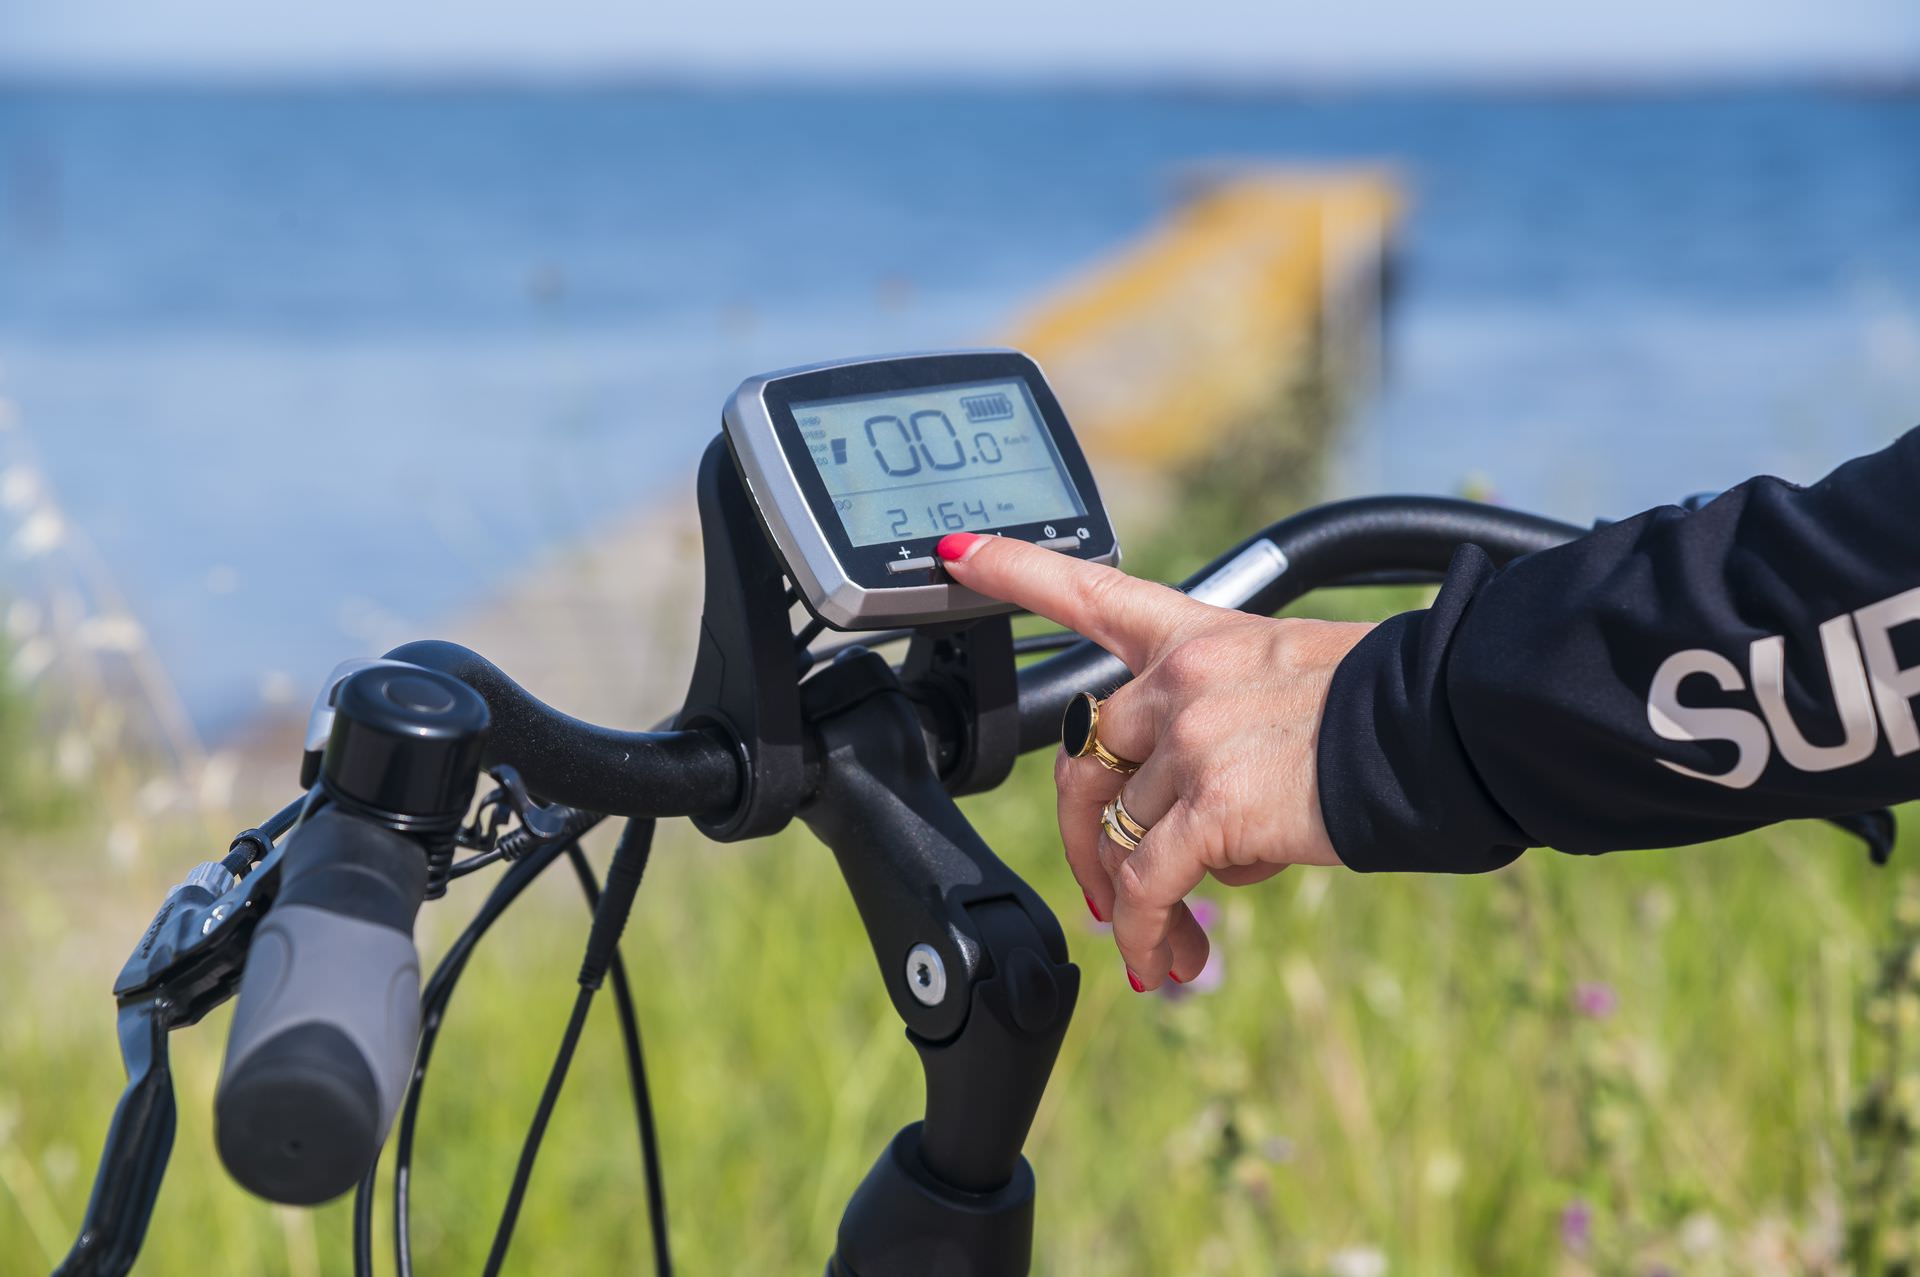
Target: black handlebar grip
[[328, 1017]]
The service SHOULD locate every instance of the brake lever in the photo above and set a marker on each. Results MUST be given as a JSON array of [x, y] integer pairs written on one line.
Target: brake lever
[[134, 1159], [186, 962]]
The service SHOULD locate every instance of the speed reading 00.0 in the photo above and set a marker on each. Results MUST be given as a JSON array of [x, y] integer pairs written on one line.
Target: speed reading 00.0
[[938, 460]]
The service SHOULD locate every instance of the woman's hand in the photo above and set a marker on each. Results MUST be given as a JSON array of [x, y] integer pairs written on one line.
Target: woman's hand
[[1223, 716]]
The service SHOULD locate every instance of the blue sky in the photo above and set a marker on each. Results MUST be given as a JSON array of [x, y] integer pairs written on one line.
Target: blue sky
[[1331, 39]]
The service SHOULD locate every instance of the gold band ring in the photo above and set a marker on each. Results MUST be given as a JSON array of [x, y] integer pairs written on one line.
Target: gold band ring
[[1126, 819], [1121, 836], [1080, 734]]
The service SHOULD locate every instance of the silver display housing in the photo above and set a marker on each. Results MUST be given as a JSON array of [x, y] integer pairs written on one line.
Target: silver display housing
[[815, 551]]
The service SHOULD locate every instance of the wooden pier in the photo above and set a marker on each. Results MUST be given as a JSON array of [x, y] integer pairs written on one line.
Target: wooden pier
[[1199, 326]]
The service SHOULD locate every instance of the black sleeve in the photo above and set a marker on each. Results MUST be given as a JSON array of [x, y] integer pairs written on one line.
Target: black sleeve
[[1669, 679]]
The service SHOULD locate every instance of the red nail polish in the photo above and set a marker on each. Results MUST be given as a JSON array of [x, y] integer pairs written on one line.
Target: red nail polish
[[1176, 979], [954, 545], [1134, 980], [1093, 908]]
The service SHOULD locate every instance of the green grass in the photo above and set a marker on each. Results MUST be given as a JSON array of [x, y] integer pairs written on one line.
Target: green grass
[[1391, 1063]]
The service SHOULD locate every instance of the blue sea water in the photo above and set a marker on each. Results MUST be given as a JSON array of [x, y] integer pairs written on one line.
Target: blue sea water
[[310, 366]]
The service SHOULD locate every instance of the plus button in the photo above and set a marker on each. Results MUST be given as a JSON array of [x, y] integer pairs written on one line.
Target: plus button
[[905, 553]]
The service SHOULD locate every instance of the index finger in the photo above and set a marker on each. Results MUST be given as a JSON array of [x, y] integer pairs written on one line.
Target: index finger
[[1131, 618]]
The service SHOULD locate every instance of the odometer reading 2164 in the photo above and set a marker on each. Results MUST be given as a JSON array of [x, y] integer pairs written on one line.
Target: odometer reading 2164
[[937, 460]]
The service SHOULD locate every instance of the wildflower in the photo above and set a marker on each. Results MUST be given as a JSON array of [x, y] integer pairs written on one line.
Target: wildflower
[[1595, 999], [1700, 1234], [1357, 1261], [1206, 982], [1576, 1226]]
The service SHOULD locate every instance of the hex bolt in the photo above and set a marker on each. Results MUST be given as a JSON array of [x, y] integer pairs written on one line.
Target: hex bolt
[[926, 975]]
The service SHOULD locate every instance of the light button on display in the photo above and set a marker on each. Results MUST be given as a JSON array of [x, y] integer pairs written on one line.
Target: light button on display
[[923, 564], [1067, 545]]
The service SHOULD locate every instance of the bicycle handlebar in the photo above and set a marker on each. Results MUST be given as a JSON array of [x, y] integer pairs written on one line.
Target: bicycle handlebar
[[696, 772], [1333, 544], [568, 760]]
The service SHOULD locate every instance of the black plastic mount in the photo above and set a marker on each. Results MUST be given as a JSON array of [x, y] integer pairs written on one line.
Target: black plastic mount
[[964, 674], [974, 962], [744, 677], [746, 672], [976, 966]]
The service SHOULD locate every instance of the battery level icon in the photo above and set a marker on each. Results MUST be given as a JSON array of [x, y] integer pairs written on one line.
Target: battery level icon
[[990, 407], [839, 447]]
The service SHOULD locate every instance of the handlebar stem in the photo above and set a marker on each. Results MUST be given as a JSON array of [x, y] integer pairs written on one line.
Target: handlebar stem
[[974, 962]]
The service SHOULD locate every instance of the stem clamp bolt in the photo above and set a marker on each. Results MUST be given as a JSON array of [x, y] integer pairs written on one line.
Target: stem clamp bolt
[[926, 975]]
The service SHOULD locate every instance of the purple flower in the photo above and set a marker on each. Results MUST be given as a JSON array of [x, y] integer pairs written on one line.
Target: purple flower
[[1576, 1226], [1595, 999], [1210, 975], [1206, 982], [1206, 913]]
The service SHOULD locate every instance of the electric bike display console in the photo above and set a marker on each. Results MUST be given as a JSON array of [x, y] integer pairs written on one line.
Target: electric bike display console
[[858, 468]]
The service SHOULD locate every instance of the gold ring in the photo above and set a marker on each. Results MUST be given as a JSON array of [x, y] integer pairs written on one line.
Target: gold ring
[[1126, 819], [1122, 837], [1080, 734]]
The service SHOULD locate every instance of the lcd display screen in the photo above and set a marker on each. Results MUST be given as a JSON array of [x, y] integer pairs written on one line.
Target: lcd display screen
[[919, 463]]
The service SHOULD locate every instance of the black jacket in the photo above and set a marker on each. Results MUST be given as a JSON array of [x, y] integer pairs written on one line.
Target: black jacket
[[1673, 678]]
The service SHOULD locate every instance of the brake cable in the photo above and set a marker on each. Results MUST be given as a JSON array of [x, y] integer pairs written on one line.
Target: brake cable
[[611, 909], [433, 1005], [654, 1178], [562, 828]]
